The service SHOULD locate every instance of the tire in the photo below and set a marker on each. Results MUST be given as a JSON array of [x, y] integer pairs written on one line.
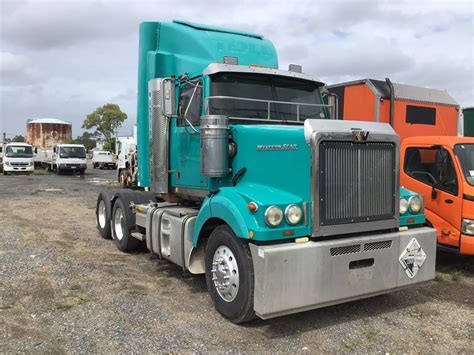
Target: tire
[[103, 210], [58, 171], [5, 173], [94, 166], [121, 224], [82, 172], [234, 253]]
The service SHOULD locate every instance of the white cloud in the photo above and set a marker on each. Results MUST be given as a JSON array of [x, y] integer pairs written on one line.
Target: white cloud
[[65, 58]]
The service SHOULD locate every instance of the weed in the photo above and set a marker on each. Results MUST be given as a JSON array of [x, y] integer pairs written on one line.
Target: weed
[[351, 344], [438, 277], [371, 334], [456, 275], [425, 311], [69, 302]]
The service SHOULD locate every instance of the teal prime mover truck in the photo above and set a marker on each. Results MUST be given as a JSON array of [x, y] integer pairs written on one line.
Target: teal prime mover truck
[[251, 183]]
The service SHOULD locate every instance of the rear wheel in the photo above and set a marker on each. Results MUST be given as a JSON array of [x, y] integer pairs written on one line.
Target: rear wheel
[[229, 275], [5, 173], [59, 171], [121, 226], [103, 211]]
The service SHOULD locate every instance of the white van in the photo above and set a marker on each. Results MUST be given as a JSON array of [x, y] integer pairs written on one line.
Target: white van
[[68, 157], [17, 158]]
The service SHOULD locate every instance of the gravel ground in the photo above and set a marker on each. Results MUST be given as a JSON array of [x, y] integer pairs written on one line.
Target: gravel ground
[[64, 289]]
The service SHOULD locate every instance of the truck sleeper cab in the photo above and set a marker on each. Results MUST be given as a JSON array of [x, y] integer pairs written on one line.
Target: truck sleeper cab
[[17, 158], [68, 157], [442, 168], [251, 184]]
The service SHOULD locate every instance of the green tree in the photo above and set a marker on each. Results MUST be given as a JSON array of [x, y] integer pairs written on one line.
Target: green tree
[[19, 138], [105, 120], [87, 139]]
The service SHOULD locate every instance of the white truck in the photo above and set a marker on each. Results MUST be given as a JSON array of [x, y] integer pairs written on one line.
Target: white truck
[[103, 159], [17, 158], [126, 160], [68, 157]]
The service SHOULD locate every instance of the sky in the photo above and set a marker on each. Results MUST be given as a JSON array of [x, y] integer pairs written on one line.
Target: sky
[[65, 58]]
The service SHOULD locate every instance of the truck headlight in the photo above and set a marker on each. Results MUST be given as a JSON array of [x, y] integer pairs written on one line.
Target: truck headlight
[[467, 226], [293, 214], [7, 163], [273, 216], [403, 205], [415, 204]]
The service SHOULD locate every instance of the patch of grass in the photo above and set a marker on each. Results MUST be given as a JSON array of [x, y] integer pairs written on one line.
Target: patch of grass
[[425, 311], [37, 191], [371, 334], [438, 277], [5, 306], [91, 206], [2, 283], [70, 302], [456, 275], [351, 344], [41, 172]]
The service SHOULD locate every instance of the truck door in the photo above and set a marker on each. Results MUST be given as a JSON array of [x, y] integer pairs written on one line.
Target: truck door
[[185, 163], [430, 171]]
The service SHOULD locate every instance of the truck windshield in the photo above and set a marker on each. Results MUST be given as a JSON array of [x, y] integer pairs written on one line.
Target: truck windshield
[[264, 97], [18, 151], [72, 152], [465, 154]]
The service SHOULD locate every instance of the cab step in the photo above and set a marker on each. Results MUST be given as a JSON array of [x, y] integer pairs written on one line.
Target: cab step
[[139, 236]]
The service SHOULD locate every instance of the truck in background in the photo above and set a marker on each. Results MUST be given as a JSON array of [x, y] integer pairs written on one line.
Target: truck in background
[[17, 158], [127, 168], [252, 184], [442, 169], [429, 121], [68, 158], [103, 159], [410, 110]]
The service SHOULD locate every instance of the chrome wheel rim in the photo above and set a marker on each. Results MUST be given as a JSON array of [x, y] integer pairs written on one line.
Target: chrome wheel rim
[[101, 214], [225, 273], [118, 219]]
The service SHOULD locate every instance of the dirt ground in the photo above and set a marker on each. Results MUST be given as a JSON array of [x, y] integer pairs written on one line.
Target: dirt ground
[[64, 289]]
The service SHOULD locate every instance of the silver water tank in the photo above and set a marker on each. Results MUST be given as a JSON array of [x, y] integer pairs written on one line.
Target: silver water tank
[[214, 145]]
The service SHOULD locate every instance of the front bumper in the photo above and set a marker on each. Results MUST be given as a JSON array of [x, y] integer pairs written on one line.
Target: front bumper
[[74, 167], [294, 277], [467, 244], [18, 169]]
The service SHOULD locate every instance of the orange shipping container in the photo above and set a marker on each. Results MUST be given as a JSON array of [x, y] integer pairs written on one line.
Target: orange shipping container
[[417, 111]]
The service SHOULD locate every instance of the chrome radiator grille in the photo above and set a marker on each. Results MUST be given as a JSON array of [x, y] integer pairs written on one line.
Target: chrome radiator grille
[[356, 182]]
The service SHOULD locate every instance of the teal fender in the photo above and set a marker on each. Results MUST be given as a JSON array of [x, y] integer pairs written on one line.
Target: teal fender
[[230, 206]]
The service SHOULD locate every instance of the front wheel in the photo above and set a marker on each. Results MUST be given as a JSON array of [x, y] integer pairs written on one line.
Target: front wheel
[[229, 275]]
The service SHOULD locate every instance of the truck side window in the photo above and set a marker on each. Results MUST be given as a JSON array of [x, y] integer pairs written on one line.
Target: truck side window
[[432, 166], [193, 113]]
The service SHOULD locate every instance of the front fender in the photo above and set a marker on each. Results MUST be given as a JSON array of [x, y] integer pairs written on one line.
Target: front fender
[[227, 206], [230, 206]]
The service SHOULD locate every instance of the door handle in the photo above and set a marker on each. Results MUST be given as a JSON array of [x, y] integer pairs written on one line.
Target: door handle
[[449, 201]]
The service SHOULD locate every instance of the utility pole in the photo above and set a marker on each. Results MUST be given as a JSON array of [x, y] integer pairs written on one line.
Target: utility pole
[[4, 137]]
